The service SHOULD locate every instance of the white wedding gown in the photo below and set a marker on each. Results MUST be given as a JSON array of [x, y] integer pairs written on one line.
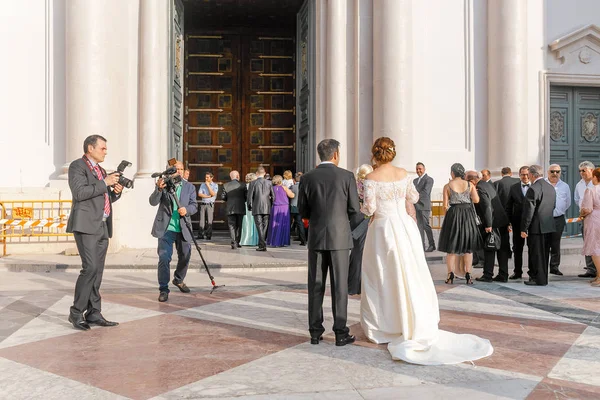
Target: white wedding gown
[[399, 304]]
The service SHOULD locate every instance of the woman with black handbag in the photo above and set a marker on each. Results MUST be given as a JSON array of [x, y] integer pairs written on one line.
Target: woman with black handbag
[[459, 235]]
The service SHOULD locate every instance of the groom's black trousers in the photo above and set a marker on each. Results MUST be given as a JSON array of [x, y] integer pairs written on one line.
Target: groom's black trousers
[[319, 263]]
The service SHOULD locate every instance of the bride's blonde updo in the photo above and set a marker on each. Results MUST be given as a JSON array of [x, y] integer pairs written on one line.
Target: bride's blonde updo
[[384, 150]]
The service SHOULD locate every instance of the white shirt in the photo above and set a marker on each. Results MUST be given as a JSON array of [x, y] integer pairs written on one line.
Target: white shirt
[[580, 191], [525, 187], [563, 197]]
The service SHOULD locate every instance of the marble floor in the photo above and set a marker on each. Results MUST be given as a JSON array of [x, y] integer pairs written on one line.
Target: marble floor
[[248, 340]]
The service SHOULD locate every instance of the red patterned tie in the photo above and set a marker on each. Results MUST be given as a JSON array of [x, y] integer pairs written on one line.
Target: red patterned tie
[[106, 201]]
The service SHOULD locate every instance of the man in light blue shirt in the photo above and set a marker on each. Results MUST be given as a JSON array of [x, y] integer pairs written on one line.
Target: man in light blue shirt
[[208, 194], [585, 171], [563, 202]]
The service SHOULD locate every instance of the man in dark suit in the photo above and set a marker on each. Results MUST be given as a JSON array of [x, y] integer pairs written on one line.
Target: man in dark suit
[[504, 184], [329, 200], [234, 193], [260, 199], [169, 229], [424, 184], [493, 217], [514, 210], [538, 224], [90, 222]]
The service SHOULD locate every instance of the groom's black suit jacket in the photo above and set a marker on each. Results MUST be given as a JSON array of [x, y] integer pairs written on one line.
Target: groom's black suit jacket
[[329, 200]]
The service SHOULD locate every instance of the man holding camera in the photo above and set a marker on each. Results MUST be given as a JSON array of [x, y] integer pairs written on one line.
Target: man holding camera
[[168, 228], [90, 222], [208, 194]]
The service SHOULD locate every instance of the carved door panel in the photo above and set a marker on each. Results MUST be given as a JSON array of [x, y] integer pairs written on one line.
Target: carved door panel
[[305, 101], [268, 104], [212, 110], [574, 135]]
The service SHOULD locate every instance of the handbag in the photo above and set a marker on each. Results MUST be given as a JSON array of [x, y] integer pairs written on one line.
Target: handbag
[[477, 219], [492, 240]]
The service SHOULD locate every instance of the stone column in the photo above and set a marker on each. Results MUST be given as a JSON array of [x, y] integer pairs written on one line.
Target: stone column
[[392, 75], [153, 91], [507, 84], [336, 105]]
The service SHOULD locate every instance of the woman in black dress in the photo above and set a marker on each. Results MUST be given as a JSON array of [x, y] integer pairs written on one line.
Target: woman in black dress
[[459, 236]]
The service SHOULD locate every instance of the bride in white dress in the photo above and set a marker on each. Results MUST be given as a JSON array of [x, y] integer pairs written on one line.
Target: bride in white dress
[[399, 304]]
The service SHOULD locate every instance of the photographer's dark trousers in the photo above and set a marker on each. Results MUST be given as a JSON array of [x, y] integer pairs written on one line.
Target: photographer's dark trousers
[[92, 250], [206, 219], [555, 238], [165, 253], [234, 223], [424, 227], [262, 223]]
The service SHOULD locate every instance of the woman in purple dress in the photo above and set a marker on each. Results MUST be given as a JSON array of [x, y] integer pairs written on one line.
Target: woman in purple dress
[[279, 224]]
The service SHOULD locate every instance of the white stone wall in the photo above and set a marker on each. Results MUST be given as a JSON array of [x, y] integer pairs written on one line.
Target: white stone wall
[[26, 134]]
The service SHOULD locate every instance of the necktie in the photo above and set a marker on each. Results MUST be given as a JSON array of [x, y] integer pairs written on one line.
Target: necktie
[[106, 201], [526, 185]]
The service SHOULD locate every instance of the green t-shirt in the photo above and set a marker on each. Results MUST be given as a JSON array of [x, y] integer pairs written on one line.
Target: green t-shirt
[[174, 223]]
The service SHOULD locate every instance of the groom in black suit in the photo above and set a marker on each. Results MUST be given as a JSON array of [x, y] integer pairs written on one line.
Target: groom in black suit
[[329, 200], [538, 224]]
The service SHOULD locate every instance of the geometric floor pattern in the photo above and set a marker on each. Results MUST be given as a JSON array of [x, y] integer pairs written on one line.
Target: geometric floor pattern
[[250, 342]]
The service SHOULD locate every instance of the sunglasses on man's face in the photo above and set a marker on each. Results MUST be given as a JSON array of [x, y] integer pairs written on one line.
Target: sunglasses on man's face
[[555, 172], [582, 170]]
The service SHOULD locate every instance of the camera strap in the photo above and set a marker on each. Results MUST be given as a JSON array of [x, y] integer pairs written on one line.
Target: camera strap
[[93, 170]]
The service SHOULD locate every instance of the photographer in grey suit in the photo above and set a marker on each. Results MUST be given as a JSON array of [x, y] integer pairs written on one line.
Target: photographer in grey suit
[[90, 222], [169, 229], [424, 184], [260, 199], [329, 199]]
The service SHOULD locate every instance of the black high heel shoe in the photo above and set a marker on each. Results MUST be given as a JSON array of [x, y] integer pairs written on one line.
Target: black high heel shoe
[[468, 279], [450, 278]]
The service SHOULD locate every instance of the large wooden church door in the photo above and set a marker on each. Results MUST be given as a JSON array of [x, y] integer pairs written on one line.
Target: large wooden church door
[[239, 106]]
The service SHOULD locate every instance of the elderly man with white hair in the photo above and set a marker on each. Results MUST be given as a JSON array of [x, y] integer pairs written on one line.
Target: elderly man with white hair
[[234, 194], [563, 202], [585, 171]]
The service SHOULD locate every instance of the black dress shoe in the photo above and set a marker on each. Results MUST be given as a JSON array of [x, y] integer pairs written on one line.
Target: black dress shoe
[[233, 247], [587, 275], [182, 286], [430, 249], [556, 272], [208, 237], [316, 340], [163, 296], [498, 278], [302, 243], [79, 322], [200, 237], [345, 340], [102, 322], [515, 276], [261, 249], [533, 283], [483, 279]]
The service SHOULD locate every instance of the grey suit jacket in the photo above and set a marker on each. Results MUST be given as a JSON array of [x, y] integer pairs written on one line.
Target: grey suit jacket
[[87, 209], [260, 196], [234, 193], [424, 188], [187, 199], [329, 199]]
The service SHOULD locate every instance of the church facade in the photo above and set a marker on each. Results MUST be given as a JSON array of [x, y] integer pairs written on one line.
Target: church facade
[[237, 84]]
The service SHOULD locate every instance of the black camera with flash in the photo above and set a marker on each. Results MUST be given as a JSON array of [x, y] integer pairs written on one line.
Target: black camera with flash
[[169, 176], [123, 181]]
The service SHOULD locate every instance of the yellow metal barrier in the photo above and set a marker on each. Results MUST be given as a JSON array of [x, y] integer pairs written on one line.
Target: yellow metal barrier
[[22, 220], [437, 214]]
